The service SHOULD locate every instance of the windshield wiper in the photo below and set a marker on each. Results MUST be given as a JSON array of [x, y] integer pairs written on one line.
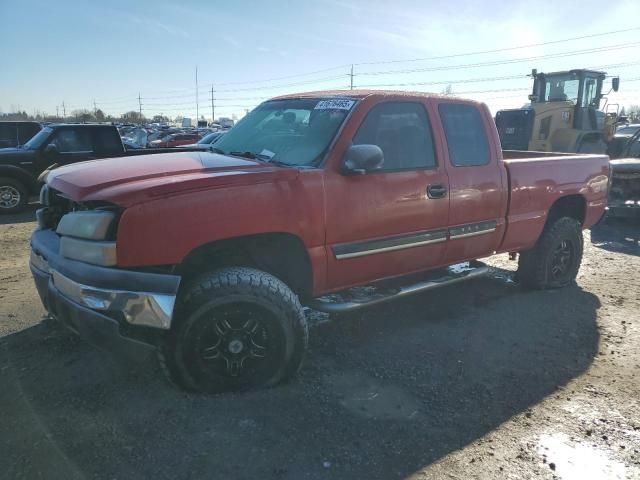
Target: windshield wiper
[[249, 155], [260, 156]]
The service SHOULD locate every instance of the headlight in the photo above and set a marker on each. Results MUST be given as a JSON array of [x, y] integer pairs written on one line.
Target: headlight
[[92, 225], [44, 195], [89, 251]]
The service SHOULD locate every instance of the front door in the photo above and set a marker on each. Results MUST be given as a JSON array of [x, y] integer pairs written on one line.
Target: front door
[[392, 221]]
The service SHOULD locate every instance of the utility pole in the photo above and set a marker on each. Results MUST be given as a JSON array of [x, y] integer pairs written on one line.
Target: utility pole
[[57, 114], [197, 112], [95, 109], [213, 116], [64, 111], [140, 107], [351, 78]]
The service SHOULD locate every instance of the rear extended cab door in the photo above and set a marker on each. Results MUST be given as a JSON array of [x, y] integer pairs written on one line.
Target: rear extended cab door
[[107, 142], [73, 143], [385, 223], [478, 190]]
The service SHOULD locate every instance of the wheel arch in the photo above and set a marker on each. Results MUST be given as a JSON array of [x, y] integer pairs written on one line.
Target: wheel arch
[[572, 206], [16, 173], [281, 254]]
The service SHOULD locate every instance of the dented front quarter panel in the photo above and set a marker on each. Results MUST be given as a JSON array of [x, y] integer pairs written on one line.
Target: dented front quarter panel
[[165, 228]]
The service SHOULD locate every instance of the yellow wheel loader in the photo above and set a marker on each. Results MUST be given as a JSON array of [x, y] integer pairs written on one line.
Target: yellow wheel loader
[[564, 115]]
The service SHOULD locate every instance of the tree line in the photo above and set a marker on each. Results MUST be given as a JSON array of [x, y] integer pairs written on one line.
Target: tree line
[[85, 116]]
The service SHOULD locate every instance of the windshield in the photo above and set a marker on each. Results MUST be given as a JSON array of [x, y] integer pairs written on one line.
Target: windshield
[[561, 88], [210, 138], [293, 131], [38, 139], [628, 130]]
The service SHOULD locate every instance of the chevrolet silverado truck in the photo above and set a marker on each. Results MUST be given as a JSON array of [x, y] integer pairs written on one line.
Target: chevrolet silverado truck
[[56, 144], [331, 200]]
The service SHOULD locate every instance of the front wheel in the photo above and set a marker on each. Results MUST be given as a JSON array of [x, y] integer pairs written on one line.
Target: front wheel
[[555, 259], [13, 195], [236, 329]]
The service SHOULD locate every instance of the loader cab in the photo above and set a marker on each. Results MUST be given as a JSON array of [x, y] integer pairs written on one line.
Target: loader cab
[[580, 89], [564, 115]]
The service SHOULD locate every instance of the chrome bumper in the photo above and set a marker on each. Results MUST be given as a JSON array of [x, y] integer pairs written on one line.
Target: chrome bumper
[[138, 308]]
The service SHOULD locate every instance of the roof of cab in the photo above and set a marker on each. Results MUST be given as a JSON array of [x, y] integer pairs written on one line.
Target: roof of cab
[[361, 94]]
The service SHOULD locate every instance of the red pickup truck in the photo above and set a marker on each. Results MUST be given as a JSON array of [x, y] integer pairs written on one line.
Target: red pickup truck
[[208, 257]]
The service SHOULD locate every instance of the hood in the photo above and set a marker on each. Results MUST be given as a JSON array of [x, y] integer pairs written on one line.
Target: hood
[[16, 156], [129, 180], [625, 166], [14, 151]]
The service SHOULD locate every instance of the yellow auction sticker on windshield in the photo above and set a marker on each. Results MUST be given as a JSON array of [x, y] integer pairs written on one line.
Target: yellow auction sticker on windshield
[[334, 104]]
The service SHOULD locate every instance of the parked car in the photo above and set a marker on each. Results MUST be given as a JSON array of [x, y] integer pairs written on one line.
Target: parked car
[[620, 138], [175, 140], [208, 140], [208, 258], [624, 191], [14, 134], [56, 144]]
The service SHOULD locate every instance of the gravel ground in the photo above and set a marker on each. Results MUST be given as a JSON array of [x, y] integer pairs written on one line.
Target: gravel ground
[[480, 380]]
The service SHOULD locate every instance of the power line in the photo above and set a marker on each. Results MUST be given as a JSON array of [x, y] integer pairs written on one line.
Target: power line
[[499, 50], [352, 74], [506, 62], [441, 57], [439, 68]]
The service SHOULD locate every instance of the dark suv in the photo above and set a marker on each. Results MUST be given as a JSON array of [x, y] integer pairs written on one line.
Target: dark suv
[[59, 144], [14, 134]]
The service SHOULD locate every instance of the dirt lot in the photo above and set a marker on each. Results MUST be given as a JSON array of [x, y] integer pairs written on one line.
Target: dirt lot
[[482, 380]]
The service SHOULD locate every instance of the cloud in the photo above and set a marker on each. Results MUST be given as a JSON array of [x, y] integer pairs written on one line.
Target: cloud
[[156, 25], [232, 41]]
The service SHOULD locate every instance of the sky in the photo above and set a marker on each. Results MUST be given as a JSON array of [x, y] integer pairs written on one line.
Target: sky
[[111, 52]]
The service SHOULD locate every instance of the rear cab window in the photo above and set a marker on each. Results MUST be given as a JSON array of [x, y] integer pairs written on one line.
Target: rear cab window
[[403, 133], [466, 135]]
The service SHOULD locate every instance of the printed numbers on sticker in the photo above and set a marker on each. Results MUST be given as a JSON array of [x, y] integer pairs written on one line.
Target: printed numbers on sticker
[[335, 104]]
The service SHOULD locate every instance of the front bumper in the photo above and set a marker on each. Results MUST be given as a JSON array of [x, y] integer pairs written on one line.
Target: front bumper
[[621, 210], [104, 305]]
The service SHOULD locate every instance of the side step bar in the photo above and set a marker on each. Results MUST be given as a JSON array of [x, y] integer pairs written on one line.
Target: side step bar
[[360, 297]]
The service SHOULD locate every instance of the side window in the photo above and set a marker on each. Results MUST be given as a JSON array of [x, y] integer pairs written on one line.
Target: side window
[[466, 135], [72, 140], [8, 135], [108, 140], [403, 132], [634, 148], [589, 98]]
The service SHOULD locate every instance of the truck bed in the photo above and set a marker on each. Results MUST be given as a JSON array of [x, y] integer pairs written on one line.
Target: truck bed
[[527, 154], [537, 179]]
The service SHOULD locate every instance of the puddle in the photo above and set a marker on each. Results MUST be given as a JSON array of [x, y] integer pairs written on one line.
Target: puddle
[[364, 396], [578, 461], [507, 277], [460, 268]]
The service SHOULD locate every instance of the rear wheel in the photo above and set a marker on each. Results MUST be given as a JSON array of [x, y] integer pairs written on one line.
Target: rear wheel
[[236, 329], [13, 195], [555, 259]]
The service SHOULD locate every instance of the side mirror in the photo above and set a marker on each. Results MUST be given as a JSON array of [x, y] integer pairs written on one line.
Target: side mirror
[[615, 83], [362, 159], [51, 149]]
